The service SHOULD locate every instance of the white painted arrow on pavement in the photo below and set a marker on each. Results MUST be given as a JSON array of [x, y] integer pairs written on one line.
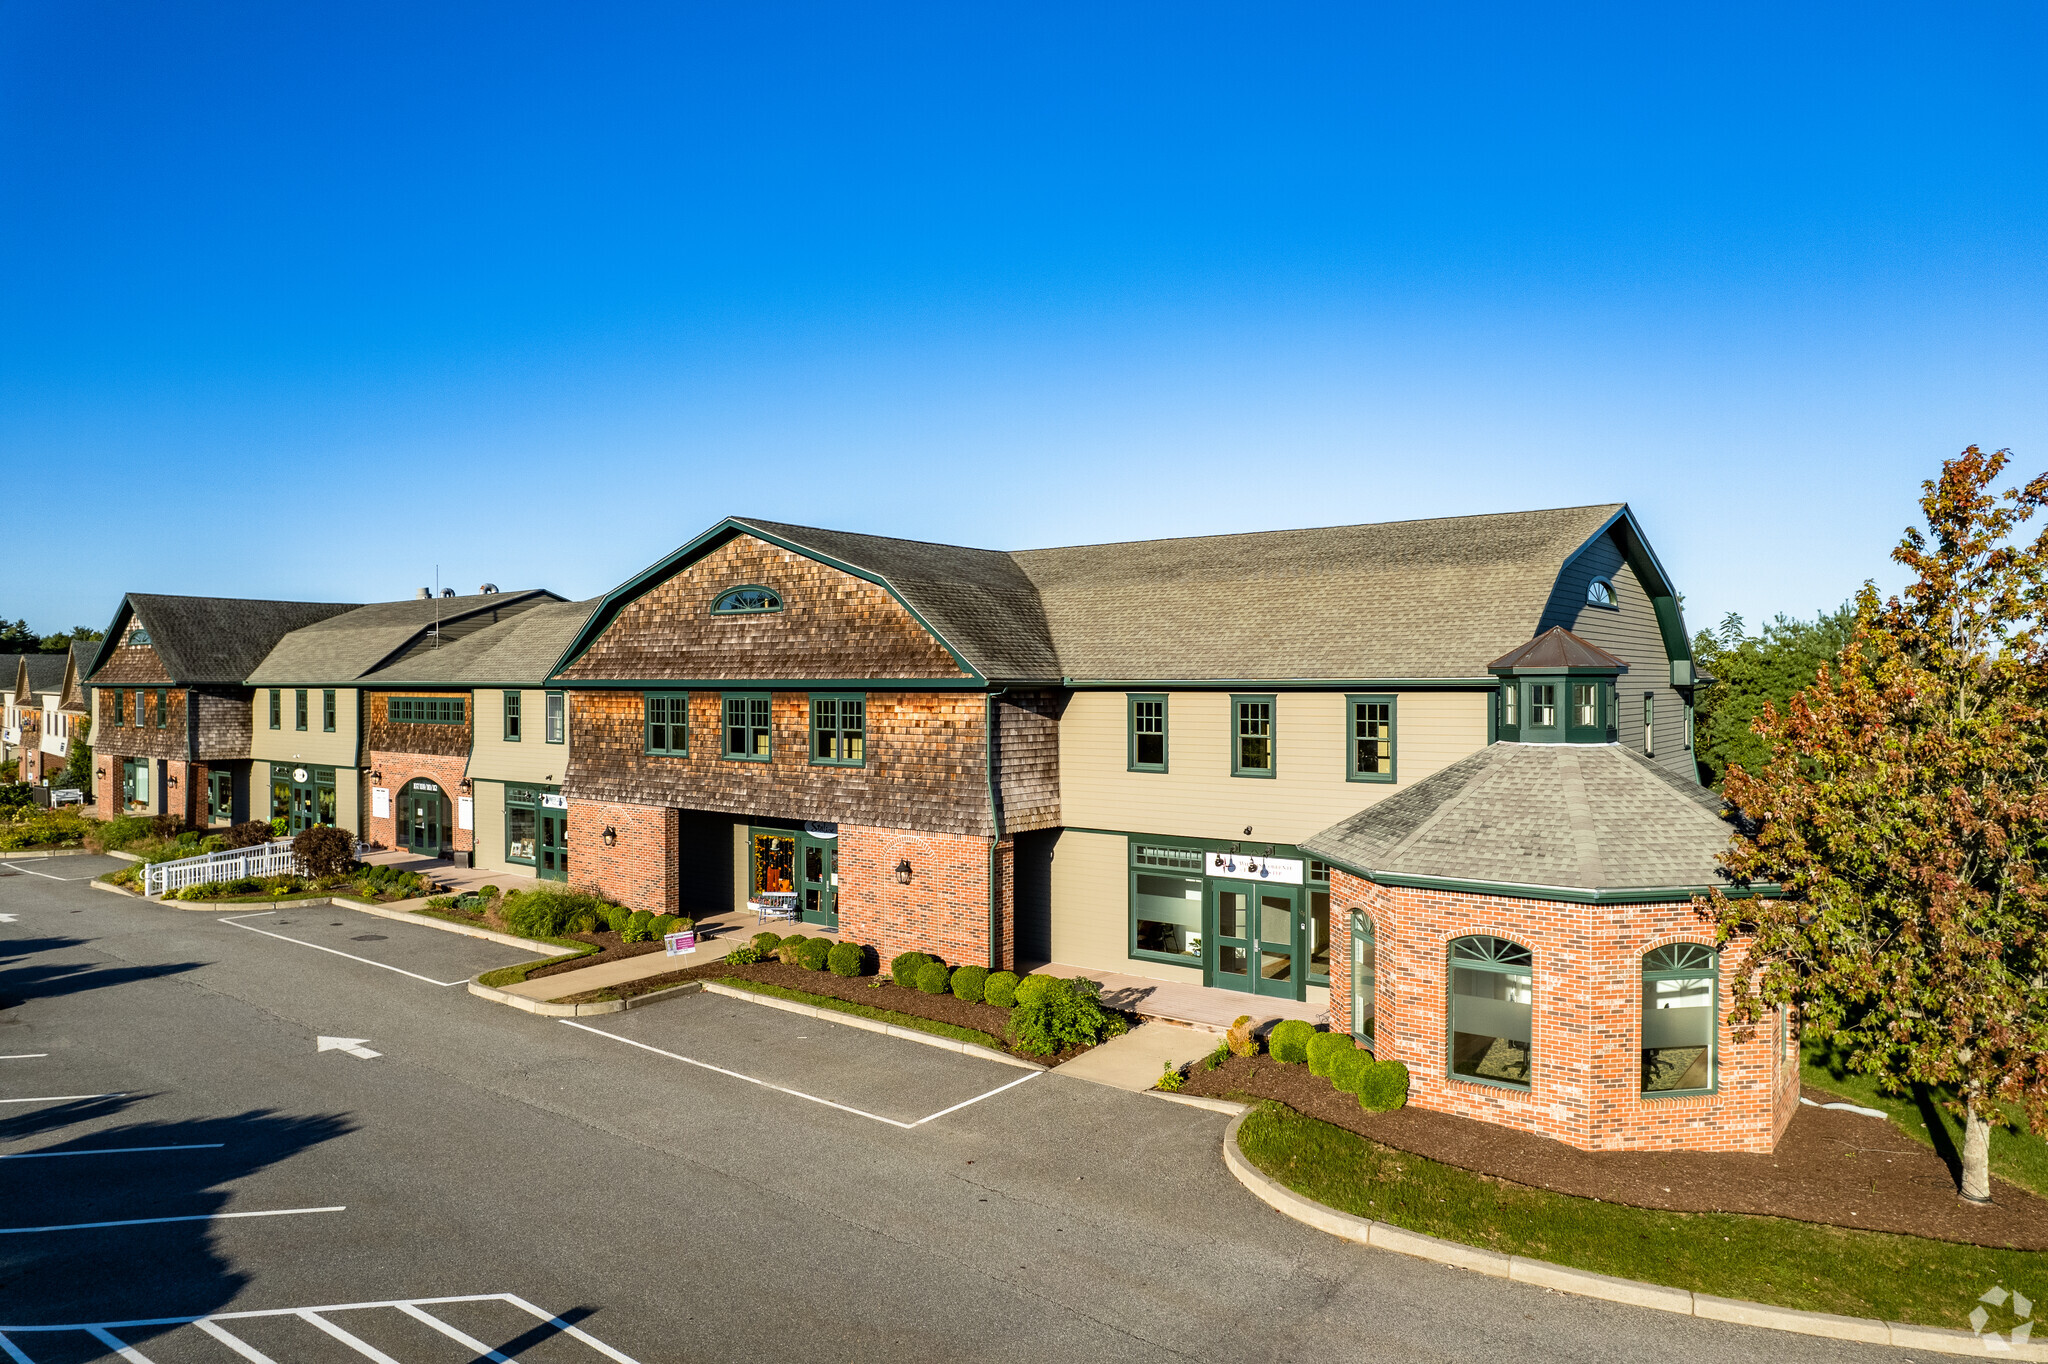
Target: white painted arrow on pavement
[[352, 1045], [7, 918]]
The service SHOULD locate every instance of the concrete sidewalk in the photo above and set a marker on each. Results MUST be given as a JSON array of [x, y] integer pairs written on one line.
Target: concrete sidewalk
[[1135, 1060], [597, 977]]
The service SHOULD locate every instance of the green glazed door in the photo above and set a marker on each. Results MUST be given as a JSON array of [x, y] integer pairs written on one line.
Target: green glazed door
[[1276, 964], [817, 864], [1232, 934], [551, 861]]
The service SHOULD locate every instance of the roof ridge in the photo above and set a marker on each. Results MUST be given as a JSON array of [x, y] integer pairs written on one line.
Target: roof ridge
[[1342, 525]]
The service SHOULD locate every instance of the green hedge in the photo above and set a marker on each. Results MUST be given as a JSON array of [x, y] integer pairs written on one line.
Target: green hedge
[[1347, 1072], [814, 954], [904, 966], [934, 977], [1032, 987], [1326, 1047], [1288, 1041], [1384, 1087], [969, 982], [847, 959], [1000, 989]]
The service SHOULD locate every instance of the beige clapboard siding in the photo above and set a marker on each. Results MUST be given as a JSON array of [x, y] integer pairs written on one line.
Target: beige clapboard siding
[[490, 829], [533, 759], [1197, 797], [1091, 908], [311, 744], [1632, 634]]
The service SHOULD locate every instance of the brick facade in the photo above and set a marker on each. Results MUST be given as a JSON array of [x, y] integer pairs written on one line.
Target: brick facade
[[398, 770], [944, 909], [641, 869], [1585, 1056]]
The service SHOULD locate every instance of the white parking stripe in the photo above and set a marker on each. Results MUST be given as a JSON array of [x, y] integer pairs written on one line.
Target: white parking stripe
[[127, 1352], [62, 1098], [45, 875], [152, 1221], [25, 1056], [337, 952], [565, 1328], [235, 1343], [114, 1151], [356, 1343], [467, 1342], [798, 1093]]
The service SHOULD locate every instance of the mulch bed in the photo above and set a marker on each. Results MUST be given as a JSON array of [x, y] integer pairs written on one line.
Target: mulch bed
[[610, 947], [1831, 1167]]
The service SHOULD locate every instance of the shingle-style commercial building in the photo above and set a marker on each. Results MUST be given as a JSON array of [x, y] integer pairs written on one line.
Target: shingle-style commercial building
[[43, 701]]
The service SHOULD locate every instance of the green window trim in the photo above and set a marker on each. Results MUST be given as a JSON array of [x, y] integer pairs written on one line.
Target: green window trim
[[1514, 966], [748, 599], [556, 718], [1372, 730], [1649, 724], [276, 708], [512, 717], [163, 708], [1667, 970], [666, 717], [839, 729], [424, 710], [1145, 725], [1254, 733], [747, 728], [119, 722], [299, 711], [1166, 887], [327, 711]]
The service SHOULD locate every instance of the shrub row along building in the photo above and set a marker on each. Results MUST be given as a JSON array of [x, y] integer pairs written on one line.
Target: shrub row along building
[[1435, 776]]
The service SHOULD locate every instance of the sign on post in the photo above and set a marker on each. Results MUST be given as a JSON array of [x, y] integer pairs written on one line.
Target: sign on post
[[681, 944]]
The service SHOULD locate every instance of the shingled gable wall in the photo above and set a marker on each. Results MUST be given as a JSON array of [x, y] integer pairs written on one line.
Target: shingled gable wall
[[1586, 1051]]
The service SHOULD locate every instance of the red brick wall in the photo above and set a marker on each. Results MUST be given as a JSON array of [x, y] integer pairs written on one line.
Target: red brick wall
[[944, 909], [399, 769], [640, 870], [1586, 1057]]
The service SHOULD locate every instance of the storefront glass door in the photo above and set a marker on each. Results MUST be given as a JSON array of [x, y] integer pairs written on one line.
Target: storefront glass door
[[553, 861], [1253, 930], [423, 818], [818, 866], [1231, 934]]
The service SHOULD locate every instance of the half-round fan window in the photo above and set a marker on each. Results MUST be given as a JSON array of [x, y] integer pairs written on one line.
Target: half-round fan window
[[741, 601], [1600, 592], [138, 637]]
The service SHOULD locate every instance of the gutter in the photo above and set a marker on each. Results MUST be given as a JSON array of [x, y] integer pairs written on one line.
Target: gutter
[[995, 814]]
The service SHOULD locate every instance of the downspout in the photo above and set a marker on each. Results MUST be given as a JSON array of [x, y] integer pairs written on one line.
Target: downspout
[[995, 814]]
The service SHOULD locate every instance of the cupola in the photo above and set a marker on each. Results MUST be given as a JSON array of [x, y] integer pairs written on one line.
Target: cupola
[[1556, 689]]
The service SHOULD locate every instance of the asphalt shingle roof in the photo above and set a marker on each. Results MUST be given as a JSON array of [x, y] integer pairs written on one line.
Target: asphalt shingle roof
[[45, 671], [220, 640], [344, 647], [518, 651], [1577, 816]]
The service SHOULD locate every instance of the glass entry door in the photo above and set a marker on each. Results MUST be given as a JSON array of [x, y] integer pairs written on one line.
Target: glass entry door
[[1252, 928], [552, 854], [423, 818], [818, 880]]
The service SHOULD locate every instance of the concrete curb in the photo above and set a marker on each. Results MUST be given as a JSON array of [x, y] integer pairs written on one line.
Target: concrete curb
[[869, 1025], [1563, 1279], [550, 1009], [397, 915], [52, 852], [1200, 1101], [124, 856], [98, 884]]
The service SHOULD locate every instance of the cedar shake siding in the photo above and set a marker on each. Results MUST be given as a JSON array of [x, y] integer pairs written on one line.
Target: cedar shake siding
[[832, 625], [132, 665], [926, 767], [382, 736], [139, 736], [224, 722], [1028, 758]]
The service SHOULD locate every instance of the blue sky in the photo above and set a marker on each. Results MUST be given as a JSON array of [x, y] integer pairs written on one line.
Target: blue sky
[[302, 301]]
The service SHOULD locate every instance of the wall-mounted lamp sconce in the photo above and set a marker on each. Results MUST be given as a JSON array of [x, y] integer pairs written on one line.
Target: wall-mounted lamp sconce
[[1247, 831], [376, 776], [611, 836], [463, 786], [101, 772], [903, 872], [171, 779]]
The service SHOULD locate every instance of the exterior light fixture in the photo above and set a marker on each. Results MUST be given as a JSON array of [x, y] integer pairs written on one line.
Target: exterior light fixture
[[462, 785], [903, 872], [1247, 831], [611, 836], [171, 779], [376, 776]]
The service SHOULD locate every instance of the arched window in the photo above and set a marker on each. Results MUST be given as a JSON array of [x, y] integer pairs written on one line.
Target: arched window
[[1492, 989], [138, 637], [1680, 983], [1364, 979], [1600, 592], [744, 601]]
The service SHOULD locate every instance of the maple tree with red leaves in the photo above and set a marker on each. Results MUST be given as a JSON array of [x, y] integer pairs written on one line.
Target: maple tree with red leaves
[[1903, 815]]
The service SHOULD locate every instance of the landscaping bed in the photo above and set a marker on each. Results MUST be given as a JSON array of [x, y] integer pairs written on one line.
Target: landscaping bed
[[1804, 1265], [1831, 1167]]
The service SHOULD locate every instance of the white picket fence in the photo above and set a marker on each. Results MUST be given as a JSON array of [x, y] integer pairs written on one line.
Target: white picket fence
[[231, 864]]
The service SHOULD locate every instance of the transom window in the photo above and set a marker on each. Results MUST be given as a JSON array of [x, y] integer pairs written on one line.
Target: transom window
[[1251, 752], [138, 637], [1680, 985], [668, 723], [1372, 738], [746, 726], [425, 710], [1542, 705], [1175, 859], [1600, 592], [1492, 994], [741, 601], [1148, 734], [839, 730]]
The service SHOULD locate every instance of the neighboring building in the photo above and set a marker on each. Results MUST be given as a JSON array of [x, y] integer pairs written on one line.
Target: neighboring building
[[383, 761], [44, 702], [171, 706]]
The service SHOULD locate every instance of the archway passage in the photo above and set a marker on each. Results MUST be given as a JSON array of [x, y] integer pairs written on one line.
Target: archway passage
[[423, 824]]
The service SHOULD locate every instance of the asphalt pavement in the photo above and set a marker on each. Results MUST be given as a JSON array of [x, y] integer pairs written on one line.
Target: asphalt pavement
[[703, 1179]]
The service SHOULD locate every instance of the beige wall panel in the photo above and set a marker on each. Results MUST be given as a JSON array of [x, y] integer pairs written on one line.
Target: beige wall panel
[[311, 744], [490, 829], [1198, 798], [742, 865], [532, 759], [1091, 899], [348, 800]]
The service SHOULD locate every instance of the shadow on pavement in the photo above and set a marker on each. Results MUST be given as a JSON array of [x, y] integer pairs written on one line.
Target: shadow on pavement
[[162, 1269], [19, 984]]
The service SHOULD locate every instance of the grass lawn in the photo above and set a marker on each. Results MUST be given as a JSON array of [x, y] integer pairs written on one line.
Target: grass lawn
[[890, 1016], [1759, 1259], [2016, 1153]]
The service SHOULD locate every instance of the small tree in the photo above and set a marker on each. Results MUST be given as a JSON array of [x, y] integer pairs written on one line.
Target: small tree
[[324, 850], [1903, 812]]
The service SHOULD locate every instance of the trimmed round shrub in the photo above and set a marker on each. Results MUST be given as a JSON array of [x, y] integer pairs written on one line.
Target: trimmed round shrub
[[616, 917], [903, 968], [1347, 1072], [934, 977], [969, 982], [664, 924], [766, 942], [815, 952], [1032, 987], [639, 927], [1385, 1087], [846, 959], [1000, 989], [787, 949], [1288, 1041], [1325, 1047]]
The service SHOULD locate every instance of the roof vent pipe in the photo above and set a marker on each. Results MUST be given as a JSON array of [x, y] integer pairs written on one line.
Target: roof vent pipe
[[426, 594], [488, 589], [447, 591]]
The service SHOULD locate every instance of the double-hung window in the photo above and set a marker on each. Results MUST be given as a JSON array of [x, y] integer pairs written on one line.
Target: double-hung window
[[327, 711], [511, 717], [746, 726], [1372, 738], [276, 708], [668, 722], [1147, 719], [557, 717], [839, 730], [1252, 736], [163, 708], [299, 709], [1650, 724], [118, 697], [1542, 705]]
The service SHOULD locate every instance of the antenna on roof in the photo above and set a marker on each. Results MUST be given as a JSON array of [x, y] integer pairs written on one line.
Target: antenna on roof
[[437, 606]]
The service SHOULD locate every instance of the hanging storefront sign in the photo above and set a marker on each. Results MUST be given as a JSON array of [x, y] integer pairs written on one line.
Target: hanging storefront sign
[[554, 802], [1251, 867], [299, 774], [819, 829]]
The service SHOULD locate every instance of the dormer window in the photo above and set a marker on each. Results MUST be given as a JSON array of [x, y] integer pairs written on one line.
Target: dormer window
[[746, 601], [1600, 592]]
